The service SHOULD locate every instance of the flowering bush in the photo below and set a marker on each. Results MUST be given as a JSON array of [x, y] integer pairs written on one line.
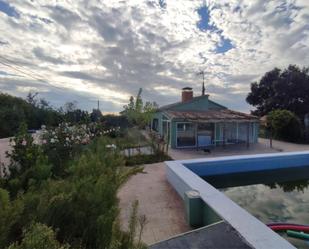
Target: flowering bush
[[24, 152], [62, 143]]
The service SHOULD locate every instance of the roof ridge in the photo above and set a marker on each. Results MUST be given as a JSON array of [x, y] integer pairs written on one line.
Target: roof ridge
[[180, 102]]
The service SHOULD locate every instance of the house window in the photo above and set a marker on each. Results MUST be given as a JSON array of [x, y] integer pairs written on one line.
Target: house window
[[183, 127], [186, 135], [155, 124]]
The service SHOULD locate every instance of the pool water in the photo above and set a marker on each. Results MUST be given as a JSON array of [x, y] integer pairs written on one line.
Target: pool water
[[270, 195]]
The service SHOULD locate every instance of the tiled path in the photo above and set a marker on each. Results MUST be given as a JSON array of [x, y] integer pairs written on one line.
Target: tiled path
[[229, 150], [157, 200], [285, 146]]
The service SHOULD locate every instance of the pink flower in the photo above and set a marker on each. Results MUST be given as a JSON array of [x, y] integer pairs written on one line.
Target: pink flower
[[24, 142], [44, 141]]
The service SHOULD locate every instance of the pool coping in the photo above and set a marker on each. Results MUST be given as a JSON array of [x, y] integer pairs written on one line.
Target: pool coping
[[256, 233]]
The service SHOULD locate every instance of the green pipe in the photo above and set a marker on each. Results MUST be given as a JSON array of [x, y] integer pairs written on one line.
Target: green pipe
[[299, 235]]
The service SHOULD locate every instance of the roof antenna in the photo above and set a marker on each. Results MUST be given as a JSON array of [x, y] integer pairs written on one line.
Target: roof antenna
[[203, 87]]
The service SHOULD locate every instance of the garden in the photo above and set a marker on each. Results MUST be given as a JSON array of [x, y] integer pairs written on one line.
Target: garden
[[60, 190]]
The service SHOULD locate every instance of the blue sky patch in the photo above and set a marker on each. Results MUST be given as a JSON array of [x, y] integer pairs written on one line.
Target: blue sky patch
[[203, 24], [225, 46], [8, 9], [162, 3], [6, 74], [3, 73]]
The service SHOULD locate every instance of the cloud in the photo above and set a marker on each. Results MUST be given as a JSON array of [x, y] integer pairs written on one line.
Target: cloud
[[107, 50], [43, 56]]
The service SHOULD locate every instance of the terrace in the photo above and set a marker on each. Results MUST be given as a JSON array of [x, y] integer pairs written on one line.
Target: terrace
[[160, 203]]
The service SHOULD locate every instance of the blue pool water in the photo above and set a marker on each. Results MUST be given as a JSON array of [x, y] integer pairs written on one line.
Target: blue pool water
[[245, 164], [273, 195]]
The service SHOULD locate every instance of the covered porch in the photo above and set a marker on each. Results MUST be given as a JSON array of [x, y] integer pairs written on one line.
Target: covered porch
[[212, 134], [203, 130]]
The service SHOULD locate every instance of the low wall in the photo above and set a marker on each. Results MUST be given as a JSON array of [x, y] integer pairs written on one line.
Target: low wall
[[256, 233]]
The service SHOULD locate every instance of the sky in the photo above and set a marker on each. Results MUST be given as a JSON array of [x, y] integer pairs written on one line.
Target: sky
[[90, 50]]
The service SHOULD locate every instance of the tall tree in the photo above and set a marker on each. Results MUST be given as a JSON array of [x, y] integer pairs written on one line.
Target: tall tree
[[137, 113], [281, 89]]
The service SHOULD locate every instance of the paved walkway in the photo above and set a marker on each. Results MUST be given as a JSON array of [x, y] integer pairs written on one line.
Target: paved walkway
[[157, 200], [229, 150], [284, 146]]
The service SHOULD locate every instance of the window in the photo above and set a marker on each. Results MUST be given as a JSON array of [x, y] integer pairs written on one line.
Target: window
[[186, 135], [182, 127], [155, 124]]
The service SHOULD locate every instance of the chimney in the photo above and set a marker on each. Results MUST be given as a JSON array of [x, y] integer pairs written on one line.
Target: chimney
[[187, 94]]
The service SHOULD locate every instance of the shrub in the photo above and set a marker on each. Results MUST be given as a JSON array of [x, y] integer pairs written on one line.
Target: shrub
[[24, 152], [285, 125], [146, 159], [10, 214], [39, 236], [82, 206]]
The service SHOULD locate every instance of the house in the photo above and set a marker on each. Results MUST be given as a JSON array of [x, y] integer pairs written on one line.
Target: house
[[197, 122]]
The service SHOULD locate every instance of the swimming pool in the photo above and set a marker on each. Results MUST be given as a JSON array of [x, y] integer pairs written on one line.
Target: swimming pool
[[186, 175], [271, 195]]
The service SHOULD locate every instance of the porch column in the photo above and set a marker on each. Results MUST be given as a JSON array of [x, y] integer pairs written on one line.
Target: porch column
[[196, 137], [223, 134], [237, 132], [248, 128], [215, 135]]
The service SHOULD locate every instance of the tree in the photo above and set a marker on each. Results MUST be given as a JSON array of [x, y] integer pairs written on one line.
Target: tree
[[286, 89], [32, 98], [148, 111], [96, 115], [74, 115], [70, 106], [137, 113], [284, 124], [14, 111]]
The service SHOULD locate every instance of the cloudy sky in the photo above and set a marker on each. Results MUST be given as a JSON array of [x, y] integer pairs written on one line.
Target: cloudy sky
[[89, 50]]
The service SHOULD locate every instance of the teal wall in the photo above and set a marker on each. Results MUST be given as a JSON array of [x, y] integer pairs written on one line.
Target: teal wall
[[173, 135]]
